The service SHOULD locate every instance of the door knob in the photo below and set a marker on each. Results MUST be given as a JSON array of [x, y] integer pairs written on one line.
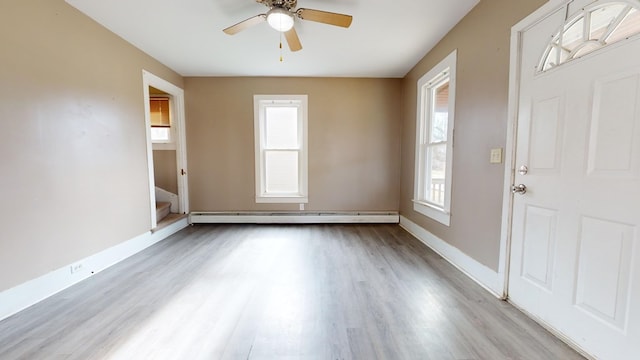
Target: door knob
[[519, 189], [523, 170]]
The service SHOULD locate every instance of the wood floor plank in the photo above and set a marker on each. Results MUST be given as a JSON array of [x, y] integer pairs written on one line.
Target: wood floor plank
[[279, 292]]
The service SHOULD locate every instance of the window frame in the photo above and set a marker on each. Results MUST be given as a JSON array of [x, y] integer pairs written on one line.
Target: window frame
[[426, 87], [261, 102]]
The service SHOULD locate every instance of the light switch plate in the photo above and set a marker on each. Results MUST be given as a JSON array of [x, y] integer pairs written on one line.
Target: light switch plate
[[496, 156]]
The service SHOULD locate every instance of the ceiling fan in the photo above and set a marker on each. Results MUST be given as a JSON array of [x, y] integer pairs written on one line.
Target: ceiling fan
[[281, 15]]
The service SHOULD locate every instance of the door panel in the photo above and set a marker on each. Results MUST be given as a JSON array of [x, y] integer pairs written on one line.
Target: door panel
[[546, 134], [539, 246], [613, 143], [604, 270]]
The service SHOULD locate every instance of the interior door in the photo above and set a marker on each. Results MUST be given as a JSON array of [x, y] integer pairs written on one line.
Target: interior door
[[575, 252]]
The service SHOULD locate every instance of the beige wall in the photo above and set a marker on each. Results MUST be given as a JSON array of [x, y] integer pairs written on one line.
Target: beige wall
[[482, 40], [354, 142], [74, 179], [165, 170]]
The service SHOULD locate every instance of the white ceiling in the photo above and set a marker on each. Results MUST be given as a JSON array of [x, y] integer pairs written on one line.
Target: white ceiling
[[386, 38]]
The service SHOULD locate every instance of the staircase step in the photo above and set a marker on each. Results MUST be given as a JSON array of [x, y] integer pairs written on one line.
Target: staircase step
[[162, 210]]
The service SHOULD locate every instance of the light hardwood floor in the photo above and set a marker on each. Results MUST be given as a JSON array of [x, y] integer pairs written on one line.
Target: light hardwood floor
[[279, 292]]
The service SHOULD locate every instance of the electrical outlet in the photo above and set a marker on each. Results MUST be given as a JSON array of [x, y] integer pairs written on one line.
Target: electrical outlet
[[77, 267], [301, 207]]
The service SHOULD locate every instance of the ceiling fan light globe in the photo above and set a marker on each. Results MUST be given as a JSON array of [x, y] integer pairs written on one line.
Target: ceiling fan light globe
[[280, 19]]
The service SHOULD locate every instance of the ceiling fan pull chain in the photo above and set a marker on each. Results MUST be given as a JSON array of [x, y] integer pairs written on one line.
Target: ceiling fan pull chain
[[280, 47]]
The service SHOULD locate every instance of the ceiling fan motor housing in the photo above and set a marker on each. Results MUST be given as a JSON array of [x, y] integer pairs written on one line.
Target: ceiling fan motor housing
[[285, 4]]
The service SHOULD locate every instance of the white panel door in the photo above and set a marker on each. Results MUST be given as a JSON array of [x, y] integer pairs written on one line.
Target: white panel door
[[575, 250]]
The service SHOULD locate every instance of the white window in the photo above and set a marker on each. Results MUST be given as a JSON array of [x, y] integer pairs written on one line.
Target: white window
[[280, 123], [434, 141], [160, 119], [163, 131]]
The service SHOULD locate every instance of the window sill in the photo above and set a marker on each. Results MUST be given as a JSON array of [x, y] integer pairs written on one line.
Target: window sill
[[432, 212], [163, 145], [282, 199]]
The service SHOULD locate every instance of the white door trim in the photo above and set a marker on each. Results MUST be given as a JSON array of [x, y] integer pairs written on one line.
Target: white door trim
[[177, 95], [512, 126]]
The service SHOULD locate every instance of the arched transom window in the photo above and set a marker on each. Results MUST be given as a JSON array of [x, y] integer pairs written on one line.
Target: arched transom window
[[593, 28]]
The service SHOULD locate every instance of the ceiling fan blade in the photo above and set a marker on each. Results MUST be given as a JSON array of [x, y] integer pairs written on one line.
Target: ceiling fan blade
[[293, 40], [325, 17], [234, 29]]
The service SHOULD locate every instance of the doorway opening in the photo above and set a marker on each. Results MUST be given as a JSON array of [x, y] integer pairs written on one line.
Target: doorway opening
[[166, 150]]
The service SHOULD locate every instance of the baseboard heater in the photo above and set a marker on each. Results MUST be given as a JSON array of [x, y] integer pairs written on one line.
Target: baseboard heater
[[294, 217]]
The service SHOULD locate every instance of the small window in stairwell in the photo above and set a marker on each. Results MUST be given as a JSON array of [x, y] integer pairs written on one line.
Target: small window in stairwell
[[160, 119], [593, 28]]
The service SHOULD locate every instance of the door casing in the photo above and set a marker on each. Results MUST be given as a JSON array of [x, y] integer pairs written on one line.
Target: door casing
[[178, 120], [512, 125]]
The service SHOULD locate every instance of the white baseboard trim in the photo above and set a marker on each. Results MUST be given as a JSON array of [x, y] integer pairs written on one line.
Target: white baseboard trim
[[293, 218], [478, 272], [20, 297]]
